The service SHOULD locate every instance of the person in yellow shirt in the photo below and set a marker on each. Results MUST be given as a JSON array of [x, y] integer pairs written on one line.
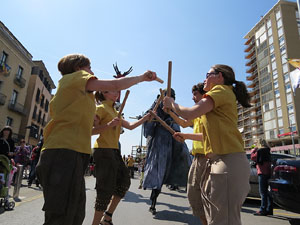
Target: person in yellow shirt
[[67, 138], [199, 161], [112, 175], [225, 179], [130, 164]]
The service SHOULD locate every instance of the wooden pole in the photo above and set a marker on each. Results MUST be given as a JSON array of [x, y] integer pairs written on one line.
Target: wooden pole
[[123, 104], [163, 123], [169, 81], [158, 100]]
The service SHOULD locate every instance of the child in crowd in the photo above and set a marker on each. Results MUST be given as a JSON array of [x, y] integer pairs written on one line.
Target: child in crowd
[[112, 175], [67, 138]]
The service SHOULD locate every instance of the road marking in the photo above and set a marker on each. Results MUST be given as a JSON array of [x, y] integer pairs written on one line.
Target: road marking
[[29, 199], [286, 214]]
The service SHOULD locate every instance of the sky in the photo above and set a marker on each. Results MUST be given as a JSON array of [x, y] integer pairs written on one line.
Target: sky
[[193, 34]]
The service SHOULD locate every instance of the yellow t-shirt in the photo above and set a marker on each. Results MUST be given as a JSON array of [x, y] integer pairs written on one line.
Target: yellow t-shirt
[[108, 138], [72, 112], [220, 132], [197, 145], [130, 162]]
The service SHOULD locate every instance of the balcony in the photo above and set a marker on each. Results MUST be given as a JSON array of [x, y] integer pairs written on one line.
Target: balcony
[[252, 76], [249, 47], [255, 98], [2, 99], [16, 107], [4, 69], [252, 69], [20, 81], [251, 61], [249, 41], [253, 83], [250, 53]]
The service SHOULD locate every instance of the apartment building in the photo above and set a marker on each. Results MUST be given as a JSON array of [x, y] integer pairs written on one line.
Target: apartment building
[[37, 103], [15, 71], [276, 109]]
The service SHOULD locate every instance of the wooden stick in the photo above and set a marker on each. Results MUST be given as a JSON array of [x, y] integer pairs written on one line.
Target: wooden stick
[[169, 81], [163, 123], [158, 100], [123, 104], [159, 80]]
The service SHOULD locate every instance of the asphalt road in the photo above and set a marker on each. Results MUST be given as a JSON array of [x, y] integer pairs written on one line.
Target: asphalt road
[[172, 209]]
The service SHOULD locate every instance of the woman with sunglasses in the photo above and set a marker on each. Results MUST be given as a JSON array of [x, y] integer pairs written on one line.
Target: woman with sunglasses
[[225, 178]]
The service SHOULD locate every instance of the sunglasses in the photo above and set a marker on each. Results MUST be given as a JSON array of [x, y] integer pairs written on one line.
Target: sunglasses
[[210, 74]]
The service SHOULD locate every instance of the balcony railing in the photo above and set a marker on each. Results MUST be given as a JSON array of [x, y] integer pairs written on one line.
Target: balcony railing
[[5, 69], [2, 99], [20, 81], [16, 107]]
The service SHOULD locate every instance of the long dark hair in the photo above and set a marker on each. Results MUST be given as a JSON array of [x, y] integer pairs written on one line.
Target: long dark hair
[[99, 97], [239, 87], [6, 128]]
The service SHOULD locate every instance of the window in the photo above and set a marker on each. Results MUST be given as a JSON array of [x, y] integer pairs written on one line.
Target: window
[[275, 74], [266, 107], [279, 113], [285, 68], [283, 59], [292, 119], [290, 109], [289, 98], [20, 72], [37, 97], [288, 88], [278, 15], [272, 56], [266, 88], [280, 32], [278, 102], [39, 117], [293, 128], [270, 40], [280, 122], [286, 78], [281, 41], [14, 97], [277, 93], [269, 23], [282, 50], [271, 48], [43, 120], [275, 84], [3, 58], [34, 112], [42, 101], [9, 121], [46, 105], [281, 131], [279, 23], [270, 32], [274, 66]]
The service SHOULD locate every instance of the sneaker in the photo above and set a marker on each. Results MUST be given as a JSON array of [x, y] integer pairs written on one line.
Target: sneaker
[[152, 210], [269, 213], [260, 213], [140, 187]]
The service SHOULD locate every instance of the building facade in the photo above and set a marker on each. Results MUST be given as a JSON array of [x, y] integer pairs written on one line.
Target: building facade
[[37, 103], [15, 70], [273, 40]]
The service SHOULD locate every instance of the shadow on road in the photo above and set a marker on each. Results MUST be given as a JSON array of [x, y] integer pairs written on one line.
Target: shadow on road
[[177, 217], [133, 197]]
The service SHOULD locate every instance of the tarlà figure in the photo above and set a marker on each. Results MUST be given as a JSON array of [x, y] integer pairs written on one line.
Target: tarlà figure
[[168, 160]]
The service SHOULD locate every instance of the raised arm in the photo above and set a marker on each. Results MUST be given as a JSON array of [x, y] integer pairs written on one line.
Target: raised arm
[[204, 106], [119, 84], [135, 124]]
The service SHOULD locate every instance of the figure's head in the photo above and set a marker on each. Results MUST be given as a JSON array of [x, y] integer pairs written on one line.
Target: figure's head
[[6, 132], [74, 62], [22, 142], [198, 92], [172, 93]]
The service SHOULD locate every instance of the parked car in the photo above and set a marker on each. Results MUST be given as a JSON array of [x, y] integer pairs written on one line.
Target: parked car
[[285, 185], [254, 190]]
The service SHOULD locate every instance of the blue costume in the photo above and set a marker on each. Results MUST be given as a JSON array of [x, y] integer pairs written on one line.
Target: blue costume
[[168, 161]]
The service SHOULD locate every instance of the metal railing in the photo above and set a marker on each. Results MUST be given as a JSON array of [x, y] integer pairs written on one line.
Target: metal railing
[[20, 81], [12, 105]]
